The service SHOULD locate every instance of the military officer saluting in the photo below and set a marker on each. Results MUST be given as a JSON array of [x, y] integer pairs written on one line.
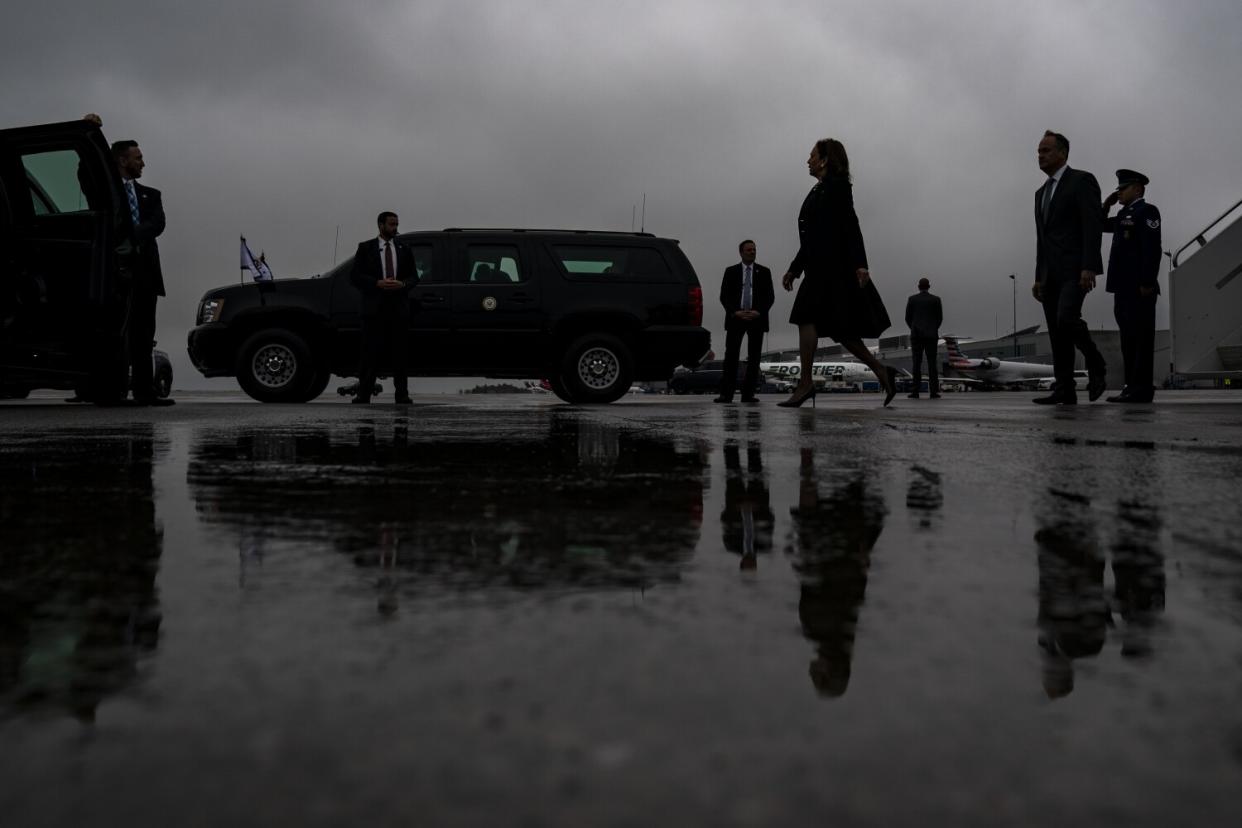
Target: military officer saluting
[[1133, 265]]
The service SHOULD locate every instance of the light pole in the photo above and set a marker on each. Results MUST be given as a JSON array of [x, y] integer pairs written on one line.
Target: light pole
[[1014, 279]]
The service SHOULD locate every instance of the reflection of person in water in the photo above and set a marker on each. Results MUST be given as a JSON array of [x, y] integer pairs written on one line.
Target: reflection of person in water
[[1074, 610], [747, 520], [1073, 614], [77, 585], [834, 536]]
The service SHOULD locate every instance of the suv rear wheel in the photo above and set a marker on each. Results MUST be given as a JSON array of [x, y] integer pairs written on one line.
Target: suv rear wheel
[[275, 365], [597, 369]]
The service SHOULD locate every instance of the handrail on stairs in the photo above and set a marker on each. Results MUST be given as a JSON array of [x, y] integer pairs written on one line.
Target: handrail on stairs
[[1201, 236]]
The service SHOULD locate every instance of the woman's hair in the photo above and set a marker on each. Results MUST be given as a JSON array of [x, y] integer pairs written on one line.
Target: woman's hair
[[833, 154]]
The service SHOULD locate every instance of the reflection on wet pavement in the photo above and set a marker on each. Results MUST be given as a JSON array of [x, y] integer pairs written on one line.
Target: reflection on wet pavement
[[514, 611], [834, 533], [552, 508], [78, 604]]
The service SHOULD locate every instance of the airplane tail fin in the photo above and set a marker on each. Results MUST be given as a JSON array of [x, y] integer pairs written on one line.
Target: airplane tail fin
[[954, 352]]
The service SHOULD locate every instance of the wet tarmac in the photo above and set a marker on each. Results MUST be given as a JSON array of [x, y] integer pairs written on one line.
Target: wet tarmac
[[508, 611]]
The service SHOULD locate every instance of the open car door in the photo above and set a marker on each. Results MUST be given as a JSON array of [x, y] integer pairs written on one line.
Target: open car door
[[62, 311]]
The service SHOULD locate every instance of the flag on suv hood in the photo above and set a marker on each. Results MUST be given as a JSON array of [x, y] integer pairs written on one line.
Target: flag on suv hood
[[258, 267]]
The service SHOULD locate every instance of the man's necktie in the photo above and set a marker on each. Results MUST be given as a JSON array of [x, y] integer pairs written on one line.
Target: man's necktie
[[1052, 182], [746, 289], [133, 201], [387, 260]]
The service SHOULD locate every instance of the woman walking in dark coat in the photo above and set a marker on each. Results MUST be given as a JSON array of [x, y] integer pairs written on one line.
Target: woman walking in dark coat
[[838, 298]]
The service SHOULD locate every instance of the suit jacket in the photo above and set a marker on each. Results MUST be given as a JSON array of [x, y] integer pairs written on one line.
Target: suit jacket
[[829, 238], [142, 236], [368, 270], [1134, 259], [762, 295], [1068, 241], [924, 315]]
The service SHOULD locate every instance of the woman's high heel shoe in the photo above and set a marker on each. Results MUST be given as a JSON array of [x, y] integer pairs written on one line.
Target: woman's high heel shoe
[[891, 390], [797, 400]]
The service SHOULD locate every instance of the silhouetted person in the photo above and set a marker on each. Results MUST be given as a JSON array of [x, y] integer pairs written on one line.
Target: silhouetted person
[[1133, 271], [924, 316], [1068, 229], [384, 273], [139, 260], [834, 535], [838, 299], [746, 523], [747, 295]]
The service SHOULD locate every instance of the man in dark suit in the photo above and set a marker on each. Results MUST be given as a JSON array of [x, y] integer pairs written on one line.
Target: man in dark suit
[[924, 315], [1133, 268], [139, 257], [747, 295], [1068, 229], [384, 273]]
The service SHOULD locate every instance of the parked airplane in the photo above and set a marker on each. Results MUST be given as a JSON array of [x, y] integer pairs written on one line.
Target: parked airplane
[[843, 373], [992, 371]]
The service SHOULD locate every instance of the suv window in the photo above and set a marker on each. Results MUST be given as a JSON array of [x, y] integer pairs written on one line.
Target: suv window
[[643, 263], [492, 264], [54, 183]]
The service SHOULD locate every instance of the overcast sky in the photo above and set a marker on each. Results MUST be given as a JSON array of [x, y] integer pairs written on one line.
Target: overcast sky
[[283, 120]]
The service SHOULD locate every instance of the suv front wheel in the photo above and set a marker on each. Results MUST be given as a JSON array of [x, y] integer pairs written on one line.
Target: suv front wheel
[[597, 368], [275, 365]]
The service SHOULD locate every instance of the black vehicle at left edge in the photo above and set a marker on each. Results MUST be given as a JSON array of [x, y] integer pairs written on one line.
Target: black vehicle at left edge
[[64, 298], [590, 311]]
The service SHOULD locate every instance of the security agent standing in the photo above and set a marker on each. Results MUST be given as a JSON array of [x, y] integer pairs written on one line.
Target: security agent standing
[[140, 257], [1133, 268], [384, 273], [924, 315], [747, 295]]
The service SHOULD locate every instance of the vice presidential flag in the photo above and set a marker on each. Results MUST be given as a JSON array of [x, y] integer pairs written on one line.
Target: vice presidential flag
[[258, 268]]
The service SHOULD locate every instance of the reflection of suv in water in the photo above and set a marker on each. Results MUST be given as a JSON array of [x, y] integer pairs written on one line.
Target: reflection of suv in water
[[63, 302], [589, 311]]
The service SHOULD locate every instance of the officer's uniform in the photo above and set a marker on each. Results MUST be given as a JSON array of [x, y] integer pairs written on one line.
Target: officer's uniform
[[1133, 263]]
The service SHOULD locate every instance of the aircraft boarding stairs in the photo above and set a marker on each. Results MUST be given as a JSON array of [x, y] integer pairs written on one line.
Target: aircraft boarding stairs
[[1205, 302]]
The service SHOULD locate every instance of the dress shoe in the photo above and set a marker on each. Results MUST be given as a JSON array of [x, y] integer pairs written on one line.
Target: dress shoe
[[1057, 399], [750, 399], [913, 396], [890, 390], [797, 399], [155, 402], [723, 399], [1141, 400], [403, 399], [1123, 397], [1095, 385], [935, 396]]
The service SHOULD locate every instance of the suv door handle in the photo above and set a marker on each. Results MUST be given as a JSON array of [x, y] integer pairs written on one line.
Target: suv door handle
[[521, 298], [431, 297]]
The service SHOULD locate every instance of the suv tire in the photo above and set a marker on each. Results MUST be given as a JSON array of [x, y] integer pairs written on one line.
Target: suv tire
[[558, 388], [597, 368], [318, 384], [275, 365]]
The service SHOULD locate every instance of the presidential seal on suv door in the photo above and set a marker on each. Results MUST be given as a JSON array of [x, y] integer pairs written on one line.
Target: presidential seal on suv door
[[591, 312]]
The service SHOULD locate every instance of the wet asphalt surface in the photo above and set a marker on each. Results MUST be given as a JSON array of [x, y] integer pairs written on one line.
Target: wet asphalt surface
[[505, 610]]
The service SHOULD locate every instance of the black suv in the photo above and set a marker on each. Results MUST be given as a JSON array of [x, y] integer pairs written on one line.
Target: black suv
[[63, 300], [589, 311]]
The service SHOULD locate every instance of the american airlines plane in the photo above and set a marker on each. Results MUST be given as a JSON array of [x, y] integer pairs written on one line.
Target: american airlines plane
[[992, 371]]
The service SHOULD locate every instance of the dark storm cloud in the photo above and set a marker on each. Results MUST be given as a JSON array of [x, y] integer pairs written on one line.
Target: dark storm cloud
[[284, 120]]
